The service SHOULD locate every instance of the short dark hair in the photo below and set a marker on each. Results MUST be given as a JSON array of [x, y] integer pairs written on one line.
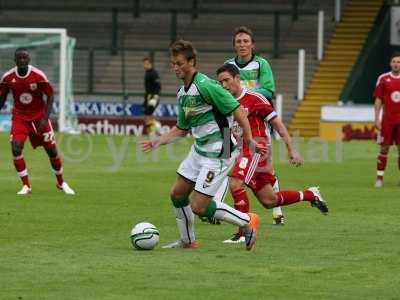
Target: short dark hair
[[21, 49], [394, 54], [146, 58], [185, 48], [230, 68], [243, 29]]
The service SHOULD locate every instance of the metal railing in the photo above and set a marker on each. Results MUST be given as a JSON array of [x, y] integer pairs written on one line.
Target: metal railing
[[88, 67], [137, 10]]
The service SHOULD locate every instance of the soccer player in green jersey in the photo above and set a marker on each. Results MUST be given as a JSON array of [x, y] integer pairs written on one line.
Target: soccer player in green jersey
[[206, 110], [255, 71], [255, 75]]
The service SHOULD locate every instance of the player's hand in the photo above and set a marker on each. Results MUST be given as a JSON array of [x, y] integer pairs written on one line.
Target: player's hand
[[148, 146], [153, 101], [258, 148], [378, 124], [295, 159], [42, 124]]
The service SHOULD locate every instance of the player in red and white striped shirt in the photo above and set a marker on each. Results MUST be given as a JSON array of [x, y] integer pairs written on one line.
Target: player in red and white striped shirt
[[30, 116], [387, 105], [252, 169]]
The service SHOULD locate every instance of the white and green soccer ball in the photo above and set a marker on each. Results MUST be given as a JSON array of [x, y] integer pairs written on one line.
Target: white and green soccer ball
[[145, 236]]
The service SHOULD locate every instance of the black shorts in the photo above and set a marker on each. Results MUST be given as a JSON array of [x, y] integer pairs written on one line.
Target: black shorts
[[148, 110]]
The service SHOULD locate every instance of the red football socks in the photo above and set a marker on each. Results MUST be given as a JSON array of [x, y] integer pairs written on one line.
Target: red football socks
[[290, 197], [381, 165], [241, 202], [20, 166], [57, 168]]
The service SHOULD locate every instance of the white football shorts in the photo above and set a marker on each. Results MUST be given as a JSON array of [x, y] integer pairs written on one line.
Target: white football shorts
[[207, 173]]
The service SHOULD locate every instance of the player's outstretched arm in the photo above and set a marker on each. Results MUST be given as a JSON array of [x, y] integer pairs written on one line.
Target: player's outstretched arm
[[3, 96], [165, 139], [294, 157], [378, 108], [3, 99], [49, 107], [240, 116]]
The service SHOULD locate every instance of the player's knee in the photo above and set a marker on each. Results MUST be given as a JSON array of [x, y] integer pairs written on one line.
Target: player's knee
[[197, 208], [51, 152], [16, 149], [175, 195], [16, 152], [268, 201], [384, 150], [272, 201]]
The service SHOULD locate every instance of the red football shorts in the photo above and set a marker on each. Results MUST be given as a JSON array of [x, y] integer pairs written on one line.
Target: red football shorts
[[21, 129], [253, 171], [389, 134]]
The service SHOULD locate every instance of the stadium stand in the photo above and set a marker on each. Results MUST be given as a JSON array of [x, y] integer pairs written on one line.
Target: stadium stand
[[340, 56], [99, 71]]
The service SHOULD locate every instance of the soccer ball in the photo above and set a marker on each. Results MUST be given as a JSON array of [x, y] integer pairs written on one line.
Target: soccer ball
[[144, 236]]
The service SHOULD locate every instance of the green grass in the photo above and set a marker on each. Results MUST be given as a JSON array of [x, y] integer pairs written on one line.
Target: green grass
[[57, 247]]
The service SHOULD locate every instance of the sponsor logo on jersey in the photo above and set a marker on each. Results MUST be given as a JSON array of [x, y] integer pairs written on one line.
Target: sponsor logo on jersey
[[254, 74], [25, 98], [395, 96], [249, 84], [33, 86], [189, 111]]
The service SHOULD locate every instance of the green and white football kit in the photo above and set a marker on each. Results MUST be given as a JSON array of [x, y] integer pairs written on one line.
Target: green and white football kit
[[205, 108], [256, 75]]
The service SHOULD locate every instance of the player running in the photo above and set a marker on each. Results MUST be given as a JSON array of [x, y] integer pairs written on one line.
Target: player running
[[207, 111], [387, 105], [254, 170], [255, 75], [30, 117]]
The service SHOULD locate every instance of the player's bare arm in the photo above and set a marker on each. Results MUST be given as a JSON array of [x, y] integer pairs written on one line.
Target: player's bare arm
[[3, 98], [378, 108], [294, 157], [240, 116], [3, 94], [49, 106], [165, 139]]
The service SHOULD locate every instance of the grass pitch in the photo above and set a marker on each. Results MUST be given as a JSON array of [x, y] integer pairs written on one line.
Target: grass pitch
[[53, 246]]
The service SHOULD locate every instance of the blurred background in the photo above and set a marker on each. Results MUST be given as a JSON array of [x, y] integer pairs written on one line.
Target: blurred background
[[325, 55]]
